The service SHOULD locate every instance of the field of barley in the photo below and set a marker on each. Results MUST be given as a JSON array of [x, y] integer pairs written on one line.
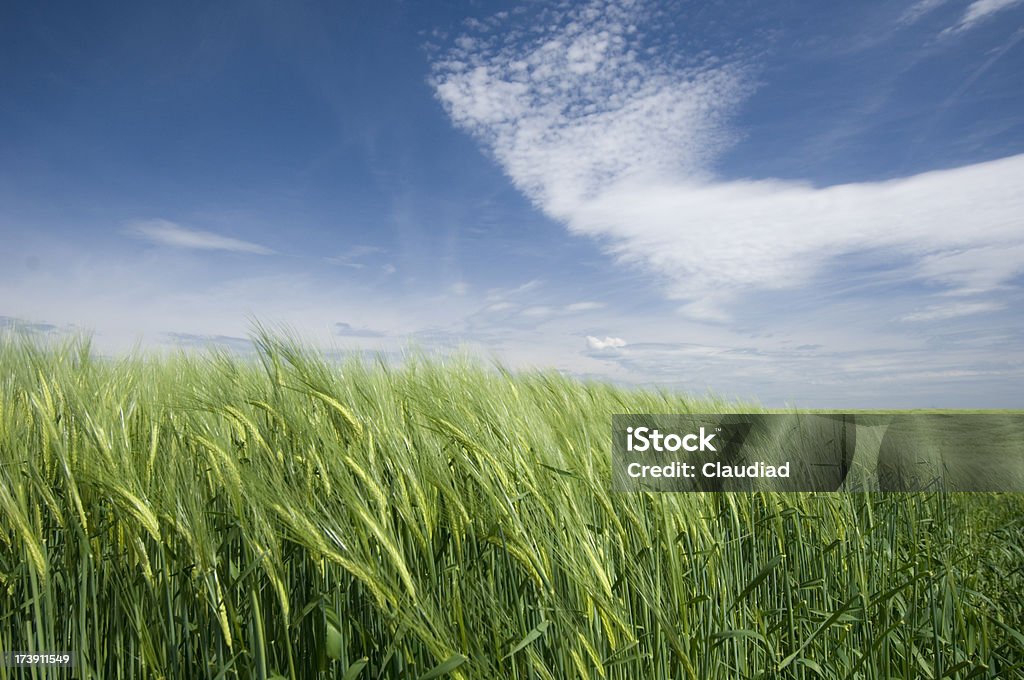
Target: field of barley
[[213, 516]]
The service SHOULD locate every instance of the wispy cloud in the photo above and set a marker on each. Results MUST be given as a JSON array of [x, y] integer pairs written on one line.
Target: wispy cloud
[[8, 323], [347, 330], [978, 11], [537, 311], [355, 257], [576, 307], [952, 310], [168, 233], [920, 9], [504, 294], [618, 142]]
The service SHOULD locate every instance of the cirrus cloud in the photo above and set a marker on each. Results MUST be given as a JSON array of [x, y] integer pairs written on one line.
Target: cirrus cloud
[[164, 232], [978, 11]]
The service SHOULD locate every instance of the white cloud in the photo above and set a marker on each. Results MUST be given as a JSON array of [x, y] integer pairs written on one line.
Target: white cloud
[[712, 240], [606, 343], [621, 148], [168, 233], [537, 311], [953, 310], [584, 306], [578, 108], [978, 11]]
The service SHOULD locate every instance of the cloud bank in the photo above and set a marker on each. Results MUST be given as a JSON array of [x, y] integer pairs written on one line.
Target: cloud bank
[[617, 138]]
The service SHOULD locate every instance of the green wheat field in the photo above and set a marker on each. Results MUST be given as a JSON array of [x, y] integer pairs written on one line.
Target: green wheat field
[[203, 515]]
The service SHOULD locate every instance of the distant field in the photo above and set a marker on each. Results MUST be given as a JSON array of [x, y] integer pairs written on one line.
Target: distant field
[[203, 516]]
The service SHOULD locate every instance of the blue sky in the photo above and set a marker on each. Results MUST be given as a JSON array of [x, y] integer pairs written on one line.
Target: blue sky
[[794, 203]]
